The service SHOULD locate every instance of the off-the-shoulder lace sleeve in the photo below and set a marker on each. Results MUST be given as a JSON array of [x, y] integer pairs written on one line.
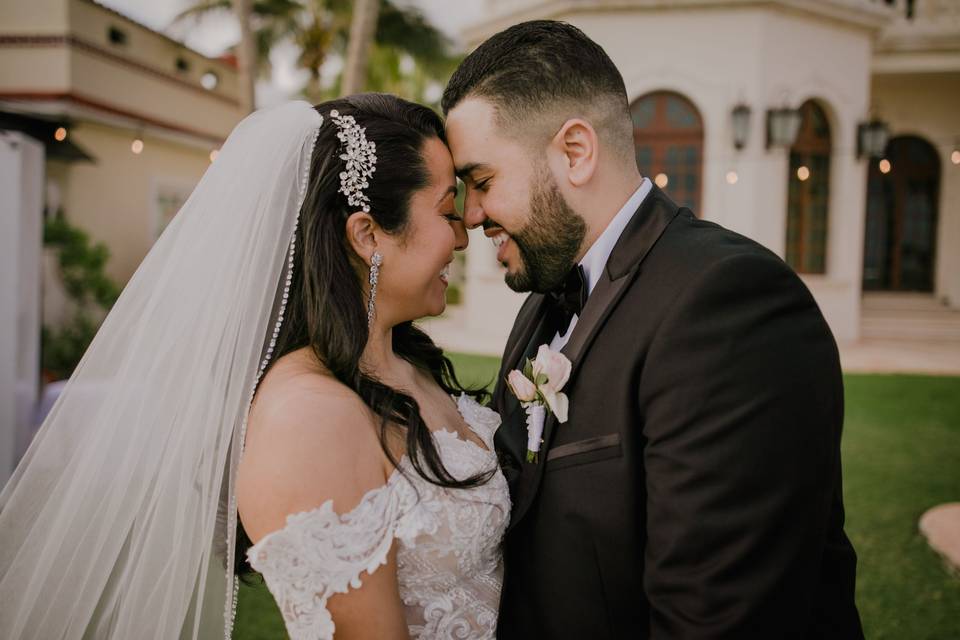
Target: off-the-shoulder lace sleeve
[[320, 553]]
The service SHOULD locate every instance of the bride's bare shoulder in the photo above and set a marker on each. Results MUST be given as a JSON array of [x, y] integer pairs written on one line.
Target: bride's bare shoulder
[[309, 439], [297, 385]]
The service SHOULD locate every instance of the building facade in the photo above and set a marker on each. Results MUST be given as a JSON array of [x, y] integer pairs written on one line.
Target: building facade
[[709, 83], [128, 117]]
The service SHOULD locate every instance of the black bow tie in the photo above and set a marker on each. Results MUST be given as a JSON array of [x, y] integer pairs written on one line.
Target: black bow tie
[[568, 298]]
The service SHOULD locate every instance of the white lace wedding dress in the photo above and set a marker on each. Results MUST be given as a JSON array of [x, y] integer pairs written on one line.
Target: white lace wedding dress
[[450, 565]]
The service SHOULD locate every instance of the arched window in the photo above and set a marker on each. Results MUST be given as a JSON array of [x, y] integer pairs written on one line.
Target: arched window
[[668, 136], [808, 193], [901, 227]]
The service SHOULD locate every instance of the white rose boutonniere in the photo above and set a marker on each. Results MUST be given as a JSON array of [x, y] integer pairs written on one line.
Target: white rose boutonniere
[[539, 387]]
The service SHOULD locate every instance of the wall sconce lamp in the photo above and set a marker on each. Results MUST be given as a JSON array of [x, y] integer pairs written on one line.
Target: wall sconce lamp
[[740, 118], [783, 125], [872, 138]]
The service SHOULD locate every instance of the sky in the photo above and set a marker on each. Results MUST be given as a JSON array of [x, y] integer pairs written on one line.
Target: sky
[[213, 35]]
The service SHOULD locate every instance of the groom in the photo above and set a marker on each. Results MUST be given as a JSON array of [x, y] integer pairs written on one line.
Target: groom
[[695, 490]]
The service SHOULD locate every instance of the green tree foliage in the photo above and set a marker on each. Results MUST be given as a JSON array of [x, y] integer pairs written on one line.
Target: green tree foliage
[[321, 29], [81, 266]]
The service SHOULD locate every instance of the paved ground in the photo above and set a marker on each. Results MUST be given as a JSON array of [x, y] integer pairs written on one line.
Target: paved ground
[[941, 526], [902, 356]]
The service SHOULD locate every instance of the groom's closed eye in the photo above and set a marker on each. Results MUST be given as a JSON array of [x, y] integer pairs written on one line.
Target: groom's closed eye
[[468, 172]]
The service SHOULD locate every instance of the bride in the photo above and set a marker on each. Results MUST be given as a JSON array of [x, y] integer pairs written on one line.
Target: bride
[[262, 360]]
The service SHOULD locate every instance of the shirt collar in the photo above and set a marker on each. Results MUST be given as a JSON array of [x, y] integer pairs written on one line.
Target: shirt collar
[[596, 257]]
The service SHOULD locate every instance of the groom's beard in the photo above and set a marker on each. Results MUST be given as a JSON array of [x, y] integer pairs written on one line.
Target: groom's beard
[[549, 242]]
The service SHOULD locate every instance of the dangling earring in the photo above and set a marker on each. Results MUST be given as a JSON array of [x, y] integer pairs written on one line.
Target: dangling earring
[[375, 261]]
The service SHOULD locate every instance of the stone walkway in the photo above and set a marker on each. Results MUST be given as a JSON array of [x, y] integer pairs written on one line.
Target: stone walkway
[[934, 357], [941, 526]]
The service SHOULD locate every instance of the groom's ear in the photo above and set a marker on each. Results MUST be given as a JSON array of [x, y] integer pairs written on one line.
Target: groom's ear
[[578, 145], [362, 232]]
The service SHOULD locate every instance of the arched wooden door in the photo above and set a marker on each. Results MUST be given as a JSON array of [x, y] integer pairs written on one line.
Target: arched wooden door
[[668, 137], [808, 192], [901, 224]]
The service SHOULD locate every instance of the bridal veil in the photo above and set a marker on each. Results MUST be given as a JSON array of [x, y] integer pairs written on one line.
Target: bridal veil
[[120, 520]]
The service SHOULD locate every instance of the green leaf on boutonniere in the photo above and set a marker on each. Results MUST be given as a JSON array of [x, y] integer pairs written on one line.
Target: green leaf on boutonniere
[[540, 379], [528, 369]]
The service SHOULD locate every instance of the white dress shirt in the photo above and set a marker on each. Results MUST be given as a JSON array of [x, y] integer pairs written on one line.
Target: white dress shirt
[[596, 257]]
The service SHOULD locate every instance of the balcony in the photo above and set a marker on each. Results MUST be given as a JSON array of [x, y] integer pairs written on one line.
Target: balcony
[[86, 62], [922, 37]]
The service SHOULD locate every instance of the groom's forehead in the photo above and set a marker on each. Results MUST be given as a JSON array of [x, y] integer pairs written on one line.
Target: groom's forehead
[[477, 141], [472, 122], [474, 108]]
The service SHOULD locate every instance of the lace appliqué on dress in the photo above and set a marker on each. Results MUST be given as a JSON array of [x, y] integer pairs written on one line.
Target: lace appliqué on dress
[[450, 578], [449, 561], [320, 553]]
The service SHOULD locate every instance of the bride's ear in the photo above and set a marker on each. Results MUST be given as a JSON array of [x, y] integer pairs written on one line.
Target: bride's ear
[[362, 232]]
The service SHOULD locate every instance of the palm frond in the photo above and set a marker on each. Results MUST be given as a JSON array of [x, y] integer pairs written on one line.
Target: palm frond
[[202, 8], [408, 30]]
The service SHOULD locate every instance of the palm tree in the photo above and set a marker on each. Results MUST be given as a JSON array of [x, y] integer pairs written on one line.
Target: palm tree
[[262, 24], [320, 28], [245, 58], [362, 30]]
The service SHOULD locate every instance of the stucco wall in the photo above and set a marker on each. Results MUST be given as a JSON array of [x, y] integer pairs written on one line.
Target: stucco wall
[[114, 200]]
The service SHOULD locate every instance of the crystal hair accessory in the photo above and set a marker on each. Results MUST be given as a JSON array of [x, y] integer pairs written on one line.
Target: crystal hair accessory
[[360, 156]]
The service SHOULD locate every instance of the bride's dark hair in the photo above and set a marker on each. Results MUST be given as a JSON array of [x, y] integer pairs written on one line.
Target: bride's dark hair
[[326, 310]]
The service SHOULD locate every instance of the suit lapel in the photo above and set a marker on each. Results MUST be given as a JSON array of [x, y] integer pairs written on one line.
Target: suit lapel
[[534, 326], [638, 238], [512, 435]]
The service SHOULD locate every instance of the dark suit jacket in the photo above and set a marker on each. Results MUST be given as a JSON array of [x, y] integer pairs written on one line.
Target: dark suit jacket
[[695, 491]]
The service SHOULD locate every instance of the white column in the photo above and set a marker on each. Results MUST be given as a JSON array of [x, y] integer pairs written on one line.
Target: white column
[[21, 225]]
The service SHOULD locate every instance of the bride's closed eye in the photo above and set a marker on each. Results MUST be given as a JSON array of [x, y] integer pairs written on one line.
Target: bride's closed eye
[[453, 217]]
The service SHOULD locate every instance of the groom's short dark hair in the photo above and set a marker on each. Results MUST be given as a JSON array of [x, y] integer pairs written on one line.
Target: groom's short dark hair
[[534, 67]]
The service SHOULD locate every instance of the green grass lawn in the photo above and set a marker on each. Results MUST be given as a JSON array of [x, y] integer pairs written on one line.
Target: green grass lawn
[[901, 456]]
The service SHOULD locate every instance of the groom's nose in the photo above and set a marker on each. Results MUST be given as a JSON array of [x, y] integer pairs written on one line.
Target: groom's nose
[[473, 215], [460, 234]]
